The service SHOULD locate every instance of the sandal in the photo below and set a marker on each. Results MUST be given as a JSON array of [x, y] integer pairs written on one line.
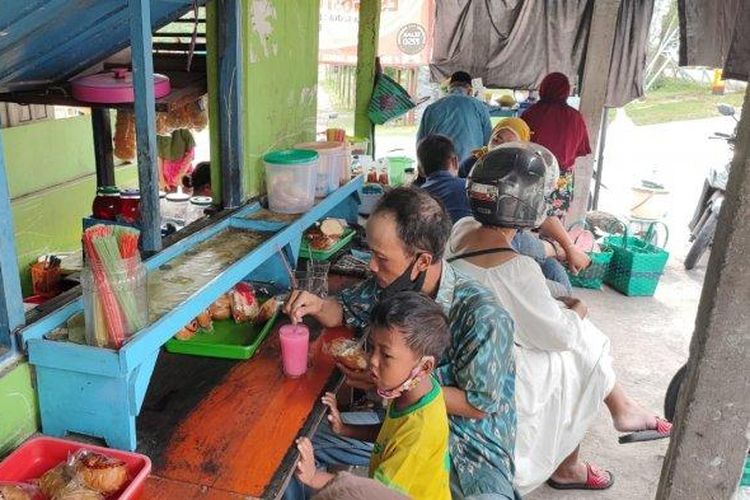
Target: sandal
[[596, 479], [663, 430]]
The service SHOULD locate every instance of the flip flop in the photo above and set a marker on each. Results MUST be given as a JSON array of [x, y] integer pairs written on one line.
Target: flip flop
[[663, 430], [596, 479]]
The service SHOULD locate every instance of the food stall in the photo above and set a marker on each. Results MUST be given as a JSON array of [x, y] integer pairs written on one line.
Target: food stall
[[210, 425]]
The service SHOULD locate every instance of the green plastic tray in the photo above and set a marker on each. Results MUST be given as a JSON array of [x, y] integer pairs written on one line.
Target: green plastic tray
[[306, 253], [229, 340]]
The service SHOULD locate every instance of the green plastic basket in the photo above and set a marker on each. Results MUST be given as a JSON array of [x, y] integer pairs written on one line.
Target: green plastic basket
[[389, 100], [636, 266], [593, 276]]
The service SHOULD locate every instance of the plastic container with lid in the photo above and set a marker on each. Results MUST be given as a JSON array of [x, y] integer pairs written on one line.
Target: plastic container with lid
[[291, 175], [396, 167], [197, 208], [175, 208], [106, 203], [130, 206], [333, 165], [114, 86]]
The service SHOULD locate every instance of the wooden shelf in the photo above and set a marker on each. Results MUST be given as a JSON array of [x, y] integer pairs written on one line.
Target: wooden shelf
[[186, 87]]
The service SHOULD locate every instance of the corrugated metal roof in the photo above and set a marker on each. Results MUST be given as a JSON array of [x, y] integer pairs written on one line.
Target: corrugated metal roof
[[48, 41]]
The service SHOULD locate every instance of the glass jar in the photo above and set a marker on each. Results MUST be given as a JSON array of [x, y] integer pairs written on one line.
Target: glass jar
[[197, 208], [106, 203], [130, 206], [175, 208]]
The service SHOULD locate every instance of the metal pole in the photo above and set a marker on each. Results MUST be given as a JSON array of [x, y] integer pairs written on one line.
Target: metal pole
[[600, 159]]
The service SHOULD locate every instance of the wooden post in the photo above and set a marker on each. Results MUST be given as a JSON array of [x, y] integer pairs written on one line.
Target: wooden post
[[709, 442], [231, 94], [105, 163], [11, 298], [367, 51], [145, 123], [593, 95]]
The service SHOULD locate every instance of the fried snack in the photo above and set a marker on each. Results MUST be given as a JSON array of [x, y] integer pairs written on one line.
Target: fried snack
[[63, 483], [204, 321], [244, 303], [349, 353], [101, 473], [267, 310], [221, 309], [326, 234], [124, 135], [333, 228], [18, 492], [188, 331], [53, 481]]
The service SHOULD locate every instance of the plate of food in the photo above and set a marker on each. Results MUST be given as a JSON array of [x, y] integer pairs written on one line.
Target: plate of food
[[233, 326], [325, 238]]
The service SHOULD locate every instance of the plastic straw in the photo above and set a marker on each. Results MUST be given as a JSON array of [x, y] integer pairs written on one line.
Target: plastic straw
[[288, 267]]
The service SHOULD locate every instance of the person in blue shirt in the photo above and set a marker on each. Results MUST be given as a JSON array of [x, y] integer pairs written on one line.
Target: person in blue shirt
[[438, 160], [459, 116]]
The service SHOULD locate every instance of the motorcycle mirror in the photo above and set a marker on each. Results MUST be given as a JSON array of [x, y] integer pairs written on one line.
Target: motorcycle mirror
[[726, 109]]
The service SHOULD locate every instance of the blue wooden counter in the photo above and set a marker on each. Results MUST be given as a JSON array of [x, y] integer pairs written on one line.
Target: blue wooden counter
[[99, 392]]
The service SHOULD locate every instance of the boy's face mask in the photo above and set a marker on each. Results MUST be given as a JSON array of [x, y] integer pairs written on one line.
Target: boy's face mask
[[415, 377]]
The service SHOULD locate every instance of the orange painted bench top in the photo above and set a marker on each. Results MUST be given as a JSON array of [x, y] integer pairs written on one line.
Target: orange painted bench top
[[220, 429]]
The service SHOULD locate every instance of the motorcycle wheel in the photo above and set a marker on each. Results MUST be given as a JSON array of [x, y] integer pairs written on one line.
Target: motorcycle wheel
[[673, 391], [702, 241]]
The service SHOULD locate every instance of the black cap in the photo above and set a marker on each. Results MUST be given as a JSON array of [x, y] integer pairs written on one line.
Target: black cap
[[461, 77]]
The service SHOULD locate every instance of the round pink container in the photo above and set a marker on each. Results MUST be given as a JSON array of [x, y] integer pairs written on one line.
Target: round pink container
[[114, 87], [295, 340]]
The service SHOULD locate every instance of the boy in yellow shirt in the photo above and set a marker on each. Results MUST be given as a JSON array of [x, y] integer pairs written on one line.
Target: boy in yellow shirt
[[408, 334]]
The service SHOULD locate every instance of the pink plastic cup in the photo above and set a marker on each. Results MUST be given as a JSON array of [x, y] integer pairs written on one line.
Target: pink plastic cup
[[295, 340]]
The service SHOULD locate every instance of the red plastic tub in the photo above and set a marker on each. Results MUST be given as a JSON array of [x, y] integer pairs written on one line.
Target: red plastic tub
[[38, 455]]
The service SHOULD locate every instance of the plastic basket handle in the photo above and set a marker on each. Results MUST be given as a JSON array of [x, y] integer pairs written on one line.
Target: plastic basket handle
[[649, 236]]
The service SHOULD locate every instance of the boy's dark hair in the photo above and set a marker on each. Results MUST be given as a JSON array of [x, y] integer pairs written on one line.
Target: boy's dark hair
[[421, 319], [201, 176], [434, 152], [422, 223]]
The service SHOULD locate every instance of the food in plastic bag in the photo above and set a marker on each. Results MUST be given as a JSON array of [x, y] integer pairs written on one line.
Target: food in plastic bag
[[244, 303], [348, 352], [19, 491], [267, 310], [188, 331], [99, 472], [221, 308], [125, 135], [62, 483], [204, 321]]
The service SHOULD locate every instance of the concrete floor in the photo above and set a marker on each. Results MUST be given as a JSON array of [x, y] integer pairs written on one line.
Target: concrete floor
[[650, 339], [650, 336]]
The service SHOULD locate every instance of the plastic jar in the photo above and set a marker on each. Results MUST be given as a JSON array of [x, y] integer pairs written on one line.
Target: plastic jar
[[106, 203], [175, 208], [332, 163], [197, 208], [130, 206], [290, 180]]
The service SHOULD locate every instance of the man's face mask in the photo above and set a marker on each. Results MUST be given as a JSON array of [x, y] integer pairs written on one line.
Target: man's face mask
[[404, 282]]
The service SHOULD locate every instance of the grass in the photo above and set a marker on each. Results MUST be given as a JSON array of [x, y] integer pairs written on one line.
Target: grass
[[677, 100]]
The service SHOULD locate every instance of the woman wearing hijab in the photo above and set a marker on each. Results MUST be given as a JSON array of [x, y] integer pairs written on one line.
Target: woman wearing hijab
[[507, 130], [561, 129]]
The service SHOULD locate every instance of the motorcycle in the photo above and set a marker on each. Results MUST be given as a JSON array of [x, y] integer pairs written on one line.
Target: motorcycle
[[706, 216]]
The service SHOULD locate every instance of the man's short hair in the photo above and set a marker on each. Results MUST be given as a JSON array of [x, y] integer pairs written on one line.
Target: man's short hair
[[422, 223], [434, 153], [419, 318], [460, 78]]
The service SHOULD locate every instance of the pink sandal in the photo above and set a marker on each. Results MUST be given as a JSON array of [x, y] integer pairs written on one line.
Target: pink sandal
[[596, 479], [663, 430]]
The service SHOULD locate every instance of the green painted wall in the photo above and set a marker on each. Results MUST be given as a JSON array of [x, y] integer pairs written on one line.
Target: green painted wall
[[51, 176], [281, 55], [19, 416]]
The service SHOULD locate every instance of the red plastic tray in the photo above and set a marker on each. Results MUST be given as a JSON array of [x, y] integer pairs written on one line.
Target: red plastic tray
[[38, 455]]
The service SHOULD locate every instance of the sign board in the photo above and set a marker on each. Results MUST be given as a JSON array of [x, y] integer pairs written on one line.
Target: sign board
[[405, 32]]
